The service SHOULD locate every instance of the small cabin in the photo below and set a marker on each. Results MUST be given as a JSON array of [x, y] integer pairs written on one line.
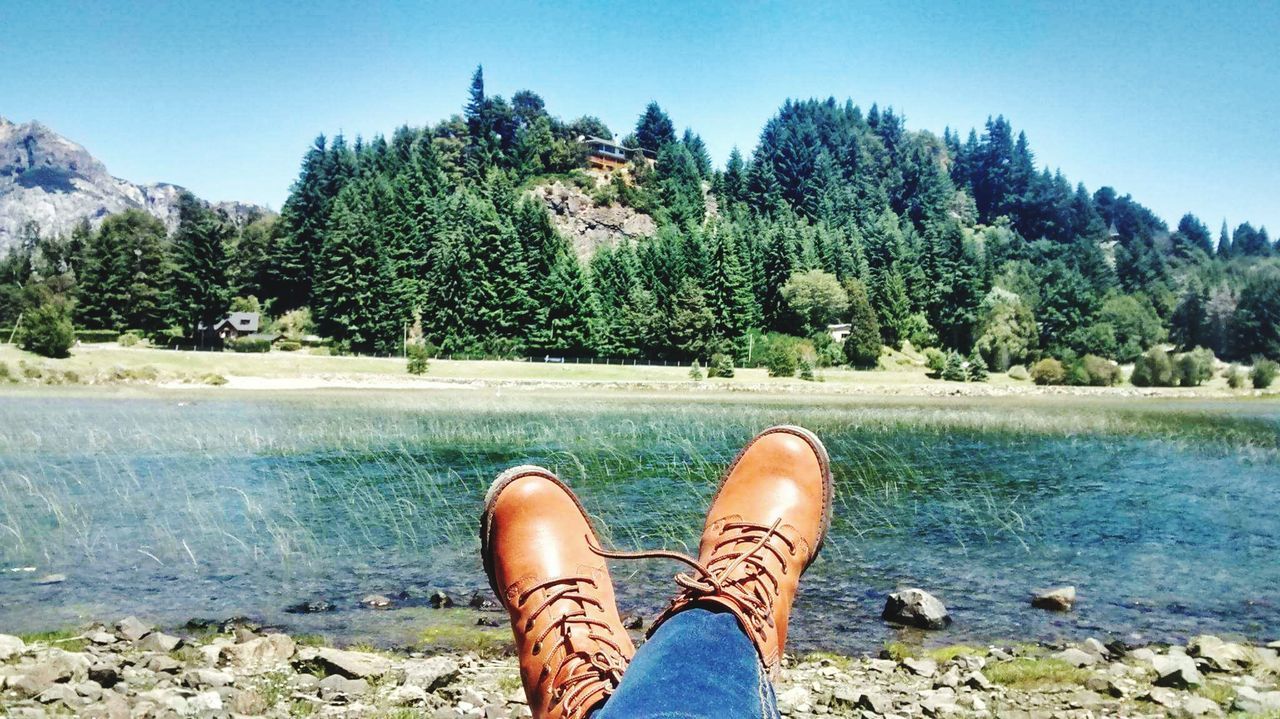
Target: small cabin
[[608, 155], [840, 332], [237, 324]]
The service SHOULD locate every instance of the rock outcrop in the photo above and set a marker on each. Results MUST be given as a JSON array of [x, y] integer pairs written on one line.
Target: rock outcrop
[[53, 182], [590, 226]]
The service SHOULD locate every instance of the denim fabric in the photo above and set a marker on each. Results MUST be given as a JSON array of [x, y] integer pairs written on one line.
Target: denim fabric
[[698, 665]]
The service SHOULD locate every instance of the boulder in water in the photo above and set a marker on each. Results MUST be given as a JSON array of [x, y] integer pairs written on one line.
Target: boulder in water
[[916, 608], [1060, 599]]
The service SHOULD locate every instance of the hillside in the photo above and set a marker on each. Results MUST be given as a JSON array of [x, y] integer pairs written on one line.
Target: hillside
[[54, 182]]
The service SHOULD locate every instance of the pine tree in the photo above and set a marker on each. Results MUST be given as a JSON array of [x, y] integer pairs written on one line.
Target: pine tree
[[201, 290], [862, 346], [977, 369], [354, 279], [654, 130]]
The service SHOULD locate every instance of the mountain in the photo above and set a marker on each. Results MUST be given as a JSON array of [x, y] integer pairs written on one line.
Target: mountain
[[50, 180]]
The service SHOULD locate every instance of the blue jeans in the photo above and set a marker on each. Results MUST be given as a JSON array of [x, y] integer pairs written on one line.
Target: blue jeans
[[698, 665]]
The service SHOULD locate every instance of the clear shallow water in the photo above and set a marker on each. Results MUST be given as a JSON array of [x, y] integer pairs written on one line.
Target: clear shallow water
[[1166, 516]]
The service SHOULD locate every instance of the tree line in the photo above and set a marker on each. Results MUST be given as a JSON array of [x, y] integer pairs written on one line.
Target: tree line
[[837, 216]]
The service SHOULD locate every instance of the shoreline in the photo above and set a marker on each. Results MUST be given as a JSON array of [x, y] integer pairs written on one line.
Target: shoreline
[[129, 668]]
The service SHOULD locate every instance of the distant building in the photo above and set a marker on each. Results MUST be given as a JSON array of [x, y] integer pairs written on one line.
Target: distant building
[[236, 324], [608, 155], [840, 332]]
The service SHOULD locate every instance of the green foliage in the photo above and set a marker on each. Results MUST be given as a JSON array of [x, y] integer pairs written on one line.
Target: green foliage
[[781, 359], [1195, 367], [1154, 369], [1236, 377], [1018, 372], [1097, 371], [721, 365], [6, 374], [953, 368], [46, 330], [201, 290], [1048, 371], [213, 379], [862, 346], [806, 369], [815, 299], [695, 371], [128, 339], [288, 346], [1264, 373], [977, 369], [249, 344], [935, 360], [1006, 329], [419, 356], [97, 336]]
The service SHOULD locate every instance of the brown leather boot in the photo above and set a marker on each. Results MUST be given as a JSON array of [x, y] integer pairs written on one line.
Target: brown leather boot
[[765, 526], [536, 542]]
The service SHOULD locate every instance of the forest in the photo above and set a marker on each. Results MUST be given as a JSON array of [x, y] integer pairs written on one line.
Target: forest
[[959, 242]]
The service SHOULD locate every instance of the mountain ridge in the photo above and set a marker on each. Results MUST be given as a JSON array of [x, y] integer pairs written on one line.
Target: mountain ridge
[[55, 182]]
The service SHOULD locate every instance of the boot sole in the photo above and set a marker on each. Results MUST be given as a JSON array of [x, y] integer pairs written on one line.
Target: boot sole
[[824, 461], [500, 483]]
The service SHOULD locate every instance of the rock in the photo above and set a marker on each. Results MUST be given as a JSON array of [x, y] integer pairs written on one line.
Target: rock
[[161, 664], [1084, 699], [376, 601], [920, 666], [265, 651], [315, 606], [916, 608], [407, 695], [102, 638], [89, 689], [481, 601], [1194, 706], [634, 621], [52, 579], [432, 673], [343, 685], [1076, 657], [159, 642], [197, 678], [1252, 701], [112, 706], [205, 702], [64, 666], [353, 665], [105, 673], [950, 678], [131, 629], [1110, 686], [11, 646], [1217, 655], [795, 700], [1095, 647], [248, 702], [1166, 698], [487, 622], [60, 693], [440, 600], [978, 680], [1177, 671], [1060, 599], [1144, 655], [875, 703]]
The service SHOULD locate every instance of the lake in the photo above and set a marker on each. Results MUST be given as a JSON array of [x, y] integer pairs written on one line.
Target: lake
[[1165, 514]]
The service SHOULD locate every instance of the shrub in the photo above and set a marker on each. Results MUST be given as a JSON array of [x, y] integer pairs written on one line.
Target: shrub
[[70, 377], [419, 358], [1153, 368], [1195, 367], [214, 379], [29, 370], [977, 370], [1018, 372], [1264, 373], [695, 371], [47, 330], [249, 344], [6, 374], [721, 365], [1048, 371], [780, 360], [1236, 377], [288, 346], [128, 339], [97, 336], [806, 370], [953, 370], [1099, 372], [934, 359]]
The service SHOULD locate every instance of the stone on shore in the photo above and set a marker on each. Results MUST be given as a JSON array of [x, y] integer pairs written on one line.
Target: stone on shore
[[916, 608], [265, 651], [10, 646], [1076, 657], [1060, 599], [1252, 701], [376, 601], [159, 642], [1216, 655], [1177, 671], [432, 673], [132, 629], [352, 665]]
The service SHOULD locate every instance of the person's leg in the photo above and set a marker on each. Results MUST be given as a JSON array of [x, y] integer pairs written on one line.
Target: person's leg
[[537, 548], [698, 665], [712, 653]]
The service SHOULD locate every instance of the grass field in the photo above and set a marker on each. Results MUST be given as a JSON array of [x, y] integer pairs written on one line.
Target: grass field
[[107, 363]]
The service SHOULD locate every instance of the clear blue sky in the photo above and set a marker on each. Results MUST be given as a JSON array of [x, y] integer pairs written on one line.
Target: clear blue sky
[[1177, 103]]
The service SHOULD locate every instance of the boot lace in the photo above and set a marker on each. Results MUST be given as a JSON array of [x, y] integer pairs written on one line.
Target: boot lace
[[576, 664], [740, 544]]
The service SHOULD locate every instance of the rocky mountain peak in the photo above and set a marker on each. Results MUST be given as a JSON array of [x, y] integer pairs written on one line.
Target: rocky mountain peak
[[54, 182]]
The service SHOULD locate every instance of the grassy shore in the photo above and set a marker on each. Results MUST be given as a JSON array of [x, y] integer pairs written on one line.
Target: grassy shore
[[112, 364]]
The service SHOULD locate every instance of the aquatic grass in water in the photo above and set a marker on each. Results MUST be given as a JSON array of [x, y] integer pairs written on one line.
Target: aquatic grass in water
[[1163, 513]]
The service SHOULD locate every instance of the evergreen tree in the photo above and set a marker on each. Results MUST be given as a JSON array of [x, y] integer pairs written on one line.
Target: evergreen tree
[[353, 301], [654, 130], [862, 346], [201, 289]]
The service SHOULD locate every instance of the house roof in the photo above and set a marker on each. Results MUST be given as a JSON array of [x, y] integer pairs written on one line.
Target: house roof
[[241, 321]]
